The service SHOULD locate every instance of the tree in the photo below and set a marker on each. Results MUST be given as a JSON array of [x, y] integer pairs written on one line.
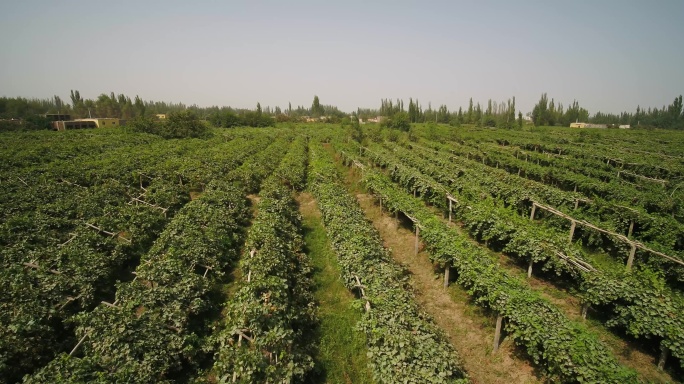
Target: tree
[[316, 109], [139, 106], [443, 114], [540, 111], [511, 112], [520, 120], [177, 125], [399, 120], [478, 115]]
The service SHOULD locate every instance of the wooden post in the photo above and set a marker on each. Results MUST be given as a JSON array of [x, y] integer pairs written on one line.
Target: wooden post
[[447, 267], [534, 208], [79, 344], [497, 332], [631, 228], [585, 309], [381, 205], [449, 211], [414, 192], [417, 240], [576, 203], [664, 352], [630, 260], [529, 269], [572, 231]]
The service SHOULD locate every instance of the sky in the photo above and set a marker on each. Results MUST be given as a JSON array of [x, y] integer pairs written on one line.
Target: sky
[[609, 55]]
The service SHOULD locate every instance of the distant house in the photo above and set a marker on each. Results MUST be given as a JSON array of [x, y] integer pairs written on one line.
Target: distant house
[[161, 116], [376, 119], [103, 122], [100, 122], [587, 125], [64, 125]]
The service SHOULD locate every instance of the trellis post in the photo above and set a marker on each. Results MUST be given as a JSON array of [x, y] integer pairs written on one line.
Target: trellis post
[[449, 211], [630, 260], [534, 208], [572, 231], [417, 240], [497, 333], [529, 269], [585, 309], [664, 352]]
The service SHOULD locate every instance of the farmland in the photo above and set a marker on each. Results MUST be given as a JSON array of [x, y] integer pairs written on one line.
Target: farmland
[[441, 254]]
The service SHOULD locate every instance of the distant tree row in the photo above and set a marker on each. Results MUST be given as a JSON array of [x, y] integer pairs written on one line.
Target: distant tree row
[[547, 112], [176, 125], [111, 105], [501, 115], [228, 118], [123, 107]]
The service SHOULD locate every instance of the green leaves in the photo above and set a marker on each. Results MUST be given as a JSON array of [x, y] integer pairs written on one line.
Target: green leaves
[[546, 334], [265, 335], [403, 344]]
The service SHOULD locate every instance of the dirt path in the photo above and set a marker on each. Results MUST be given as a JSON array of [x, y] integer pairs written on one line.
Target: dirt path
[[470, 331]]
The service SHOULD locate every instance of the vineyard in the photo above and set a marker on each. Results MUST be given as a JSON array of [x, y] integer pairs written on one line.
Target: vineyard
[[127, 257]]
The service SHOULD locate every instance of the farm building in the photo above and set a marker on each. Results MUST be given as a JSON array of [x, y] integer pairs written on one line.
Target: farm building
[[587, 125], [102, 122]]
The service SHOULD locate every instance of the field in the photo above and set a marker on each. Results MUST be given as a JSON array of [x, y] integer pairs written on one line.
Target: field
[[319, 253]]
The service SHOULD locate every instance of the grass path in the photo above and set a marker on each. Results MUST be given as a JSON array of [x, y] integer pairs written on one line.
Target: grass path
[[341, 356]]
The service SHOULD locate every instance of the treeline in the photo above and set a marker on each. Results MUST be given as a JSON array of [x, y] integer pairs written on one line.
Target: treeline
[[502, 114], [228, 118], [547, 112], [118, 106], [176, 125], [22, 113]]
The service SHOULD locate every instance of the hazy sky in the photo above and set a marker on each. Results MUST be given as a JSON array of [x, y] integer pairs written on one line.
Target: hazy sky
[[609, 55]]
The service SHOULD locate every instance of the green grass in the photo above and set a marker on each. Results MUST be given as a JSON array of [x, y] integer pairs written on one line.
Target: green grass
[[341, 357]]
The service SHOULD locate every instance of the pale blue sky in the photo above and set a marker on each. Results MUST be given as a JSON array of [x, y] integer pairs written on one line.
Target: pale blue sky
[[609, 55]]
